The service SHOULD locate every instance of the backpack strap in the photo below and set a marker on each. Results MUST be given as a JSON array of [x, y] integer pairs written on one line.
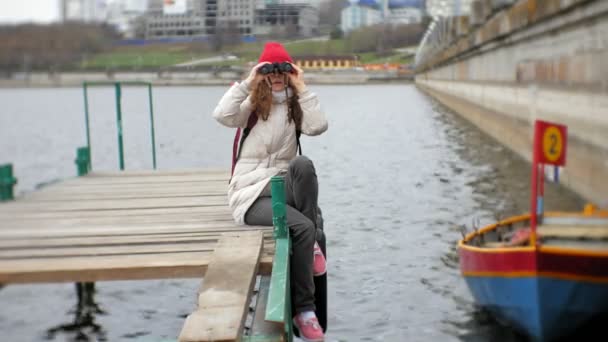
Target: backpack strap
[[235, 149], [240, 137]]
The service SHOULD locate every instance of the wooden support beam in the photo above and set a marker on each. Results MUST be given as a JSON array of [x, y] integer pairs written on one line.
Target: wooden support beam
[[224, 297], [574, 232], [111, 267]]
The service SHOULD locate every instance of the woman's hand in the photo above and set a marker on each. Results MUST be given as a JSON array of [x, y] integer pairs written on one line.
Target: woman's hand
[[297, 79], [255, 77]]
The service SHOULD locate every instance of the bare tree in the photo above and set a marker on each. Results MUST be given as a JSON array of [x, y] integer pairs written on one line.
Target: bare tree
[[382, 38], [26, 47], [330, 12], [226, 33]]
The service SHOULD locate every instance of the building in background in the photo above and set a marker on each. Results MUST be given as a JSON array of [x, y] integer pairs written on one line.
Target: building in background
[[136, 5], [160, 19], [124, 17], [363, 13], [202, 18], [290, 19], [401, 16], [121, 14], [236, 16], [399, 12], [448, 8], [174, 19], [198, 18], [88, 11], [359, 14]]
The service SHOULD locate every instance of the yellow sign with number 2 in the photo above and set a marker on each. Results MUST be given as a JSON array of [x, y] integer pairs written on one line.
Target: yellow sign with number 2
[[553, 143]]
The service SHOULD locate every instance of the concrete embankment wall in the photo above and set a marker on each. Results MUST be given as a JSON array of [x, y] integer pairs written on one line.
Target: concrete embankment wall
[[175, 78], [512, 62]]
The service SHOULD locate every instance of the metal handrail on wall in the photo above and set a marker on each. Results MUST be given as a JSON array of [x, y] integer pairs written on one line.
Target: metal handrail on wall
[[118, 96]]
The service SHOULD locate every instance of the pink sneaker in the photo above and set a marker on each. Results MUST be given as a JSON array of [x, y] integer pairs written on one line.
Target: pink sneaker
[[319, 266], [310, 329]]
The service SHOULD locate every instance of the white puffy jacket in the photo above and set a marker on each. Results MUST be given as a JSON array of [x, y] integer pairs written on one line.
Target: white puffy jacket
[[270, 145]]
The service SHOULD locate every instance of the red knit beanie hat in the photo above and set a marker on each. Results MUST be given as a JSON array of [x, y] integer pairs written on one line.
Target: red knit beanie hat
[[274, 53]]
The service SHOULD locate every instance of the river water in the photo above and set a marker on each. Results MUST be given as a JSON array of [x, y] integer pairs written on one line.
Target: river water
[[398, 173]]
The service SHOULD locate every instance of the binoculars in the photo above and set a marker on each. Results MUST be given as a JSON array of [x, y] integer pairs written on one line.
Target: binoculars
[[279, 68]]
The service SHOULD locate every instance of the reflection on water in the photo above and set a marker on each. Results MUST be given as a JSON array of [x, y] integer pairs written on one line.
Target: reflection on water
[[400, 176], [84, 326]]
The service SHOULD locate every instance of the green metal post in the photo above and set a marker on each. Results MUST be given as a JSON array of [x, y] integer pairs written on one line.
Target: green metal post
[[121, 155], [7, 182], [86, 120], [83, 160], [279, 213], [118, 90], [278, 308], [152, 126]]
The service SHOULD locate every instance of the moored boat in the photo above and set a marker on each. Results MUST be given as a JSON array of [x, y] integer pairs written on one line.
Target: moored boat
[[545, 274]]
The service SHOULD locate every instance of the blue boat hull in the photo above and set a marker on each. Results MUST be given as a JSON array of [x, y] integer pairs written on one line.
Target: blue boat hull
[[542, 307]]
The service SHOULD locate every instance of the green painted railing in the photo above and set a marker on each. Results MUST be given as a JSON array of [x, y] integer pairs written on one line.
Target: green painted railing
[[278, 308], [7, 182], [118, 95]]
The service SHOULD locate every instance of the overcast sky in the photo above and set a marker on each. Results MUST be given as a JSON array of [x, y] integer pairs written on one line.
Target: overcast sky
[[29, 10]]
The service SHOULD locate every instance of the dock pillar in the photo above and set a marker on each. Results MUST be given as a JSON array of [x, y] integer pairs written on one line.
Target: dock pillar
[[7, 182], [85, 291]]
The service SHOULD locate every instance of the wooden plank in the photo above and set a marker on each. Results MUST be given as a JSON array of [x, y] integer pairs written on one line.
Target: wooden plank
[[66, 242], [122, 204], [117, 231], [72, 218], [4, 215], [118, 226], [160, 177], [142, 183], [574, 232], [88, 180], [575, 220], [101, 268], [91, 196], [196, 246], [115, 221], [94, 223], [122, 191], [267, 260], [224, 297], [578, 246], [143, 175], [172, 172], [129, 188], [130, 267], [79, 241]]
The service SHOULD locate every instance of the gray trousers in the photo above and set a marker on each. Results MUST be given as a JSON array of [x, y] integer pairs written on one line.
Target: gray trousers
[[301, 194]]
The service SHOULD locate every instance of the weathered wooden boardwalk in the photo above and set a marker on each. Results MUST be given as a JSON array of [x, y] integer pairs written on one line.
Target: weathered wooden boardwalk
[[127, 225], [141, 225]]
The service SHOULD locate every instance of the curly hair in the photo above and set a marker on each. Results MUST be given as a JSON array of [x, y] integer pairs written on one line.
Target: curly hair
[[261, 99]]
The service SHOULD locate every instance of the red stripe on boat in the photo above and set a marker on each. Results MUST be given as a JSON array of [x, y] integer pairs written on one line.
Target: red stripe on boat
[[580, 265], [497, 262]]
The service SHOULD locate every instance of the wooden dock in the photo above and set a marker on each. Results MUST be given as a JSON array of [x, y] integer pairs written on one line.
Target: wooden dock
[[127, 225], [141, 225]]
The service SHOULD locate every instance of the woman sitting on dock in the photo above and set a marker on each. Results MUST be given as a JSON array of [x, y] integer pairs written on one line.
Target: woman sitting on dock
[[273, 106]]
